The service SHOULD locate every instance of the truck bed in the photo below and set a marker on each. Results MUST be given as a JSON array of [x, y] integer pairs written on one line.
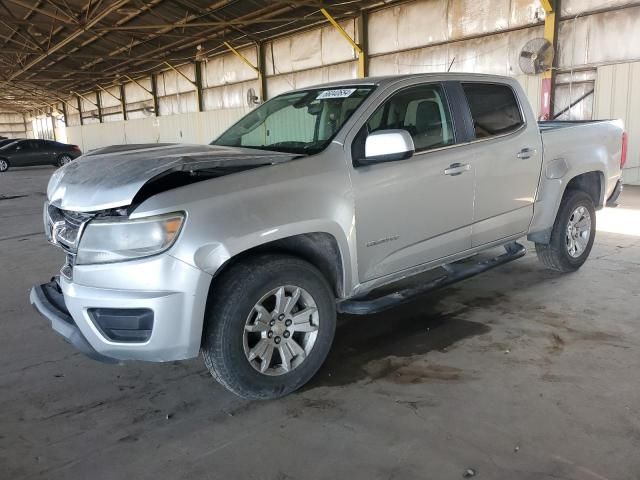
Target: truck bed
[[556, 124]]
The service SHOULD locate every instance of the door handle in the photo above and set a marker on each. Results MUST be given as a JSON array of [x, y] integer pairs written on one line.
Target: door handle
[[526, 153], [457, 169]]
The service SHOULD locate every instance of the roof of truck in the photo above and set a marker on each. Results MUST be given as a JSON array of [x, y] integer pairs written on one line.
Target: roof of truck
[[389, 79]]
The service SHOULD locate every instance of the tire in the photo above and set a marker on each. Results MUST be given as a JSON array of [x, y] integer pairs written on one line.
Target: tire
[[560, 254], [4, 165], [63, 160], [233, 309]]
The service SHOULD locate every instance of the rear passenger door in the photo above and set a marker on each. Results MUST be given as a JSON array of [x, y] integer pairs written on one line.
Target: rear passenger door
[[507, 158]]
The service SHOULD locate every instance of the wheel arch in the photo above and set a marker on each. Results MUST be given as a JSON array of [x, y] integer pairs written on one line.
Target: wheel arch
[[320, 249], [591, 182]]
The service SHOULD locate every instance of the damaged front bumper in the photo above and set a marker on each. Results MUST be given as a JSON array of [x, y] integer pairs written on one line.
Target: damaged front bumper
[[150, 309], [48, 300]]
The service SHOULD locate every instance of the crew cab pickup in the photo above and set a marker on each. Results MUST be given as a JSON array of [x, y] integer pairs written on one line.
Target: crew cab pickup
[[316, 202]]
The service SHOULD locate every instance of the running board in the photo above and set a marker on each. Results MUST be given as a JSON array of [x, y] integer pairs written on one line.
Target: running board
[[455, 273]]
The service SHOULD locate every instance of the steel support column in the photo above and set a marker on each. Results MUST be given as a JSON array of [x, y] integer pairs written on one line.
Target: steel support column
[[199, 88], [123, 102], [154, 94], [552, 17], [80, 109], [262, 74], [64, 114]]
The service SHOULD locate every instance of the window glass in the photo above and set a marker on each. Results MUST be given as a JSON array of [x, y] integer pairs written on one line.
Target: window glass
[[422, 111], [494, 109], [301, 122]]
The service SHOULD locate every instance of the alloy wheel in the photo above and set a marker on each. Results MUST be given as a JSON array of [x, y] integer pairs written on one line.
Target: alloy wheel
[[578, 231], [281, 330]]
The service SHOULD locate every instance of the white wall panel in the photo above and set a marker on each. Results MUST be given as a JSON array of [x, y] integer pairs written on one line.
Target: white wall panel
[[403, 26], [134, 93], [334, 47], [575, 7], [532, 85], [474, 17], [170, 82], [109, 100], [426, 22], [306, 50], [497, 54], [228, 96], [198, 127], [617, 95], [609, 37], [307, 78], [228, 68]]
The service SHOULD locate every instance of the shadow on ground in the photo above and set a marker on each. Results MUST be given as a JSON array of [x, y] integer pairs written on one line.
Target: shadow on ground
[[374, 346]]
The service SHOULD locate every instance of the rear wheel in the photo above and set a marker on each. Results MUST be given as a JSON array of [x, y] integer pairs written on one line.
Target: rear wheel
[[573, 233], [269, 326], [4, 165], [64, 159]]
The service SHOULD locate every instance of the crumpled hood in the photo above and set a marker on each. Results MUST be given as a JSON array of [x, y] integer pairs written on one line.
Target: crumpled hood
[[111, 177]]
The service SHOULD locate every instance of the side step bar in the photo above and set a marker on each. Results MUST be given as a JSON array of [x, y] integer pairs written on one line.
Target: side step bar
[[455, 273]]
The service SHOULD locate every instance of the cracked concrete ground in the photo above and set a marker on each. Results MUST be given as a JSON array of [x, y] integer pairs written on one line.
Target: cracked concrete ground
[[518, 373]]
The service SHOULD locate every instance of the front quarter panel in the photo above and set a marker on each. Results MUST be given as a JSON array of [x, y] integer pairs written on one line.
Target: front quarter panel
[[229, 215]]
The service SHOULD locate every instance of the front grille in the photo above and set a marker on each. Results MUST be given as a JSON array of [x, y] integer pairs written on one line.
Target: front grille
[[64, 227]]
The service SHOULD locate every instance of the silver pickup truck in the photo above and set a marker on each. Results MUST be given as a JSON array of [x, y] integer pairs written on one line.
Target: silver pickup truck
[[318, 201]]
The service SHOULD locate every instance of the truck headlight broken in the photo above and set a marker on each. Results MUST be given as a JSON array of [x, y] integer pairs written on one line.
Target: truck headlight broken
[[115, 240]]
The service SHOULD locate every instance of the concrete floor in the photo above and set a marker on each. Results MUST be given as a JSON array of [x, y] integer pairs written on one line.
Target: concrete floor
[[519, 373]]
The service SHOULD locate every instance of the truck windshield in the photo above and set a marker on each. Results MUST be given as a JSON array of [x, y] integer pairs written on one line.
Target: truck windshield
[[301, 122]]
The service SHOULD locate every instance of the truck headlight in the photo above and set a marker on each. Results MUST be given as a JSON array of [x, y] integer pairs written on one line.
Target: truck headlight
[[114, 240]]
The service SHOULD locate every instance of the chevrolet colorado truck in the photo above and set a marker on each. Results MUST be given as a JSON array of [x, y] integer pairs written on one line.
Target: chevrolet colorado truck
[[321, 200]]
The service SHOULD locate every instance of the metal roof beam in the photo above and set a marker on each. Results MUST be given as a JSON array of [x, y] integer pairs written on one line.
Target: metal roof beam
[[31, 7], [108, 10]]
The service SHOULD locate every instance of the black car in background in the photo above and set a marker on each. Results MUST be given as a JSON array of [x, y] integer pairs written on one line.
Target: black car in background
[[6, 141], [29, 152]]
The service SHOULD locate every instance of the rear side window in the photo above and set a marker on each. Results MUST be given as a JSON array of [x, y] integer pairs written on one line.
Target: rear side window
[[494, 109]]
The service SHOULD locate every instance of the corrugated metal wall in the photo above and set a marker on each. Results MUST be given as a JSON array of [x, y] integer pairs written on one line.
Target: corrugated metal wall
[[617, 95], [196, 127], [483, 36], [12, 125]]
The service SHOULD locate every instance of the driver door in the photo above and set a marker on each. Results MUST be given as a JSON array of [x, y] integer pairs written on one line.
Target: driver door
[[414, 211]]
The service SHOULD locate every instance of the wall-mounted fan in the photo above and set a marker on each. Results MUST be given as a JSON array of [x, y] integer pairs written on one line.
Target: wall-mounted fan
[[252, 98], [536, 56]]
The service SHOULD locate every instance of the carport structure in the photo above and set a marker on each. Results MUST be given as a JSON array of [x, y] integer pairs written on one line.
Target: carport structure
[[56, 51], [80, 70]]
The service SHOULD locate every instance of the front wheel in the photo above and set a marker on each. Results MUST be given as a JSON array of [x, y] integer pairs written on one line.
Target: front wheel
[[63, 160], [4, 165], [269, 326], [573, 233]]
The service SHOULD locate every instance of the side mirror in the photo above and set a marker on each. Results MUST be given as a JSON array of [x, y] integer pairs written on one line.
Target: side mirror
[[18, 147], [387, 146]]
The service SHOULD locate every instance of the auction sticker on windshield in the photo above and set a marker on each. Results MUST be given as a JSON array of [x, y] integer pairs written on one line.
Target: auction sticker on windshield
[[336, 93]]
